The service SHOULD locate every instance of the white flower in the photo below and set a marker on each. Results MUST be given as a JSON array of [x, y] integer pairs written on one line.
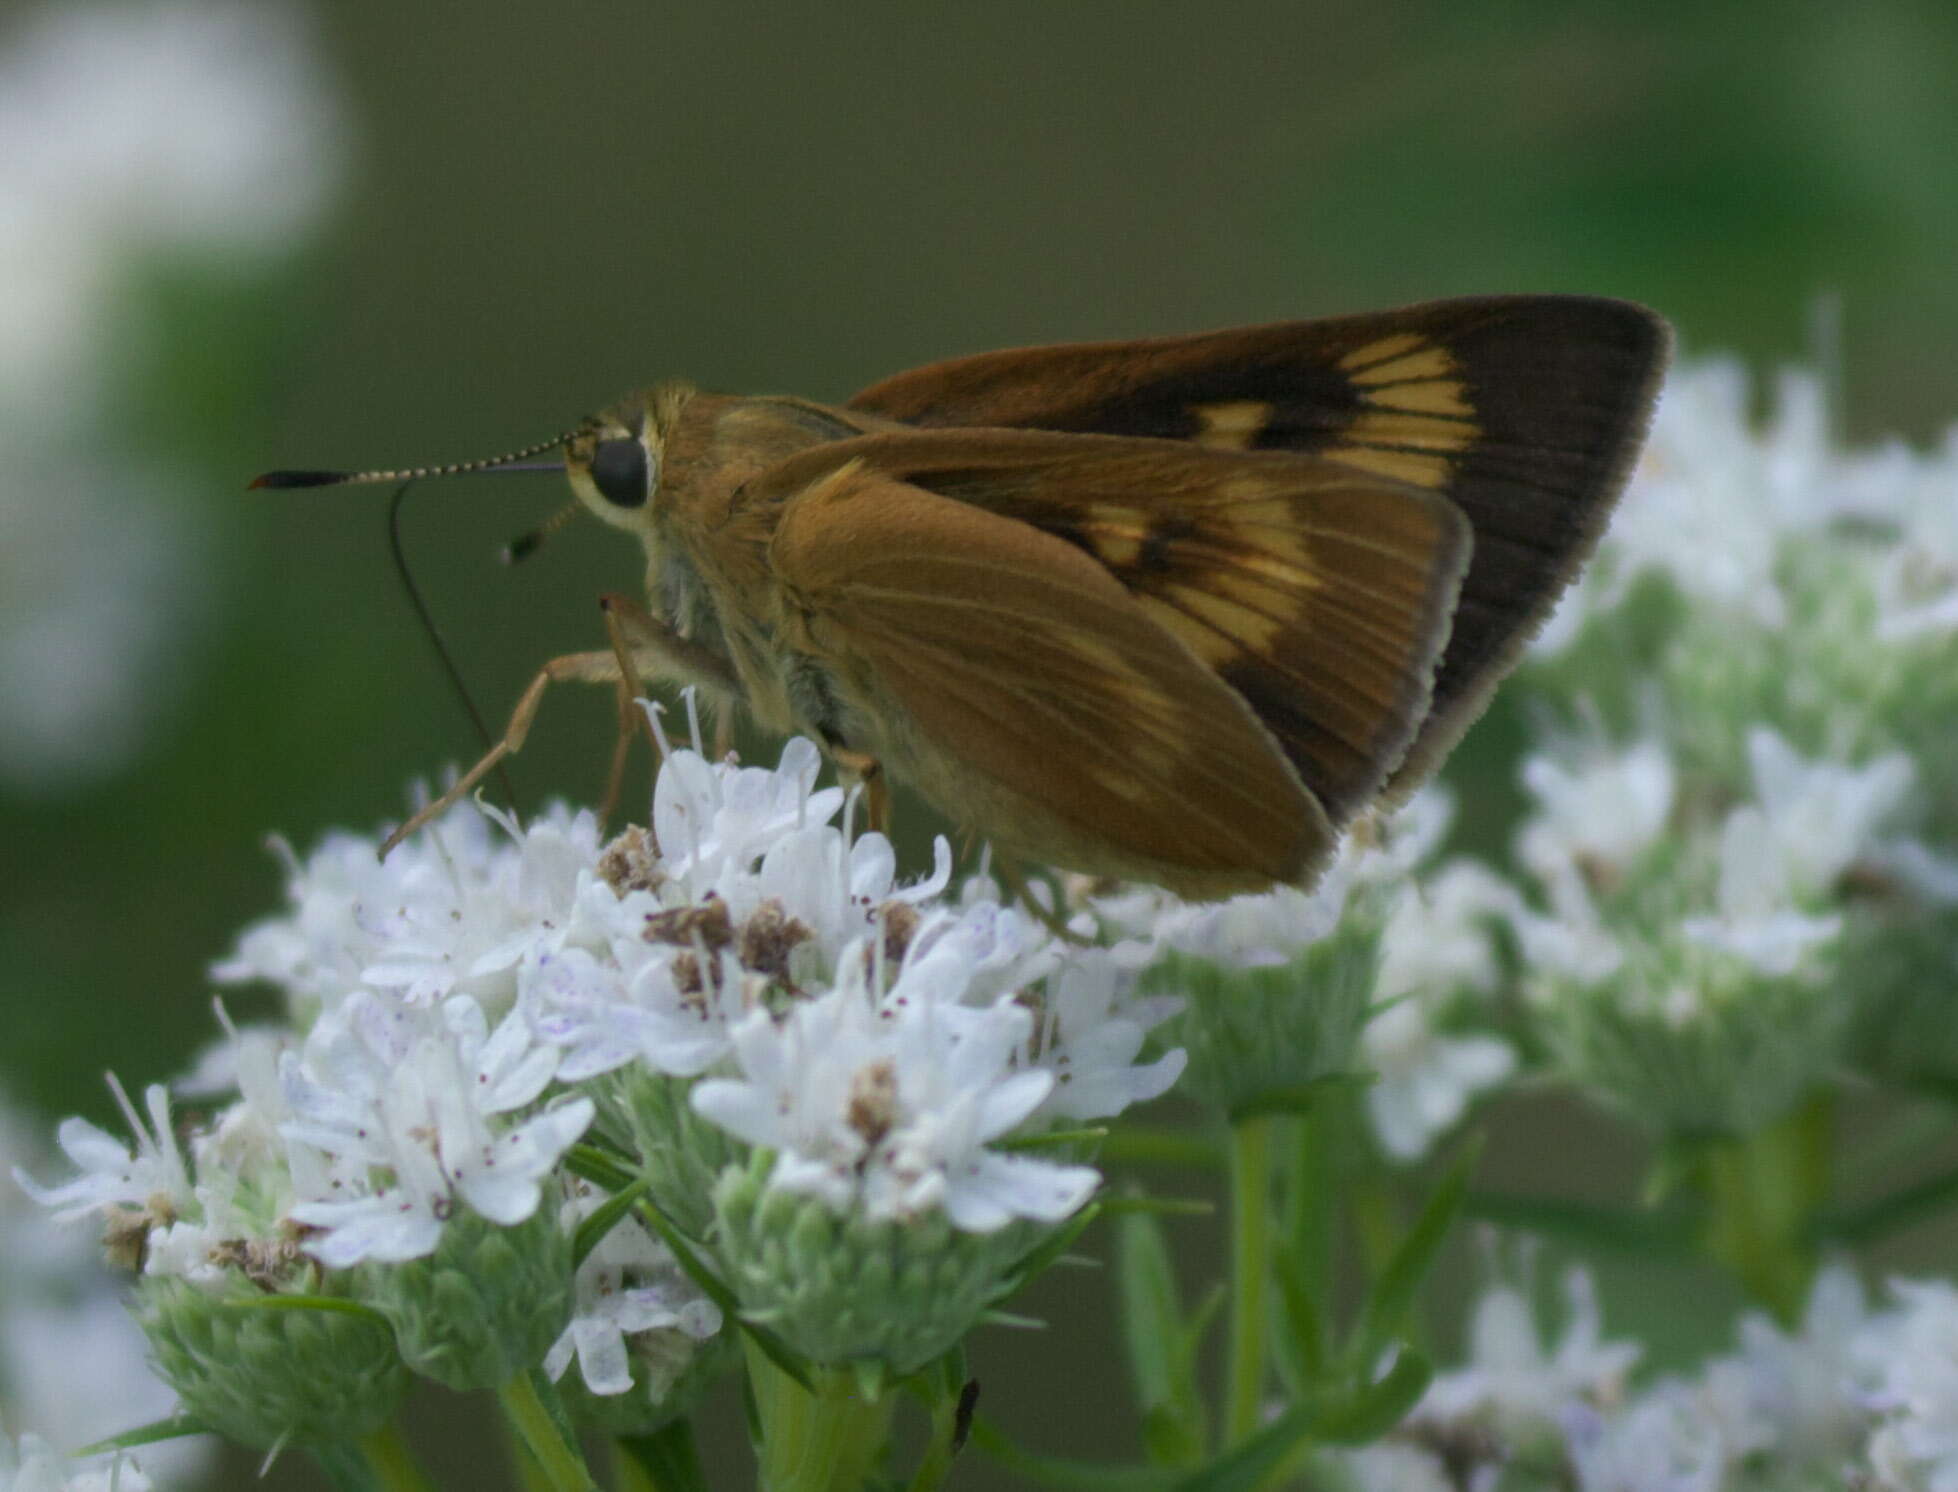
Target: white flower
[[1796, 1391], [1434, 947], [1662, 1443], [713, 821], [72, 1360], [407, 1107], [1091, 1029], [1812, 821], [1756, 920], [1910, 1355], [152, 1177], [1393, 1466], [1602, 808], [885, 1100], [1512, 1380], [453, 910], [628, 1284], [33, 1466], [1822, 815]]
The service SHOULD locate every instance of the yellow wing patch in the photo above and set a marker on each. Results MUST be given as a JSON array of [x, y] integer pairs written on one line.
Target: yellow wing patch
[[1319, 596]]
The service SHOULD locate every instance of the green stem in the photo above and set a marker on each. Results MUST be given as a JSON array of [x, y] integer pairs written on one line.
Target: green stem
[[665, 1461], [393, 1464], [936, 1463], [556, 1454], [825, 1441], [345, 1467], [1250, 1151]]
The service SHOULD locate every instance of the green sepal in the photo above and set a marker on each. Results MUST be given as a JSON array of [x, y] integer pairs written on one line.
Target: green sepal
[[485, 1305]]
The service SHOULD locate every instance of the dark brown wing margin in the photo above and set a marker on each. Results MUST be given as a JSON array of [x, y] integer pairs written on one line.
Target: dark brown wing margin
[[1527, 412]]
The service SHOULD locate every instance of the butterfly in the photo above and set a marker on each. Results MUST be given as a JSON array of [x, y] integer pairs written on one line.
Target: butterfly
[[1173, 610]]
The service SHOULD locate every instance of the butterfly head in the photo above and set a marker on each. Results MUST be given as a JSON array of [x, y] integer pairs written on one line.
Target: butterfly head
[[614, 459]]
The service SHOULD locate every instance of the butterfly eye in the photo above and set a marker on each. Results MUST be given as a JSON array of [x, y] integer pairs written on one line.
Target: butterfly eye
[[619, 472]]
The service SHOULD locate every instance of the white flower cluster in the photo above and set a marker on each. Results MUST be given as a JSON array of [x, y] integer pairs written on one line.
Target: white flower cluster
[[451, 1006], [1740, 787], [162, 133], [1850, 1397]]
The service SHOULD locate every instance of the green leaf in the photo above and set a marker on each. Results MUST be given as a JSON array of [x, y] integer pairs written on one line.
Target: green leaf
[[154, 1433], [1152, 1317], [1249, 1464], [1391, 1299], [602, 1221], [1306, 1343], [1093, 1136], [1036, 1260], [598, 1167], [1381, 1406]]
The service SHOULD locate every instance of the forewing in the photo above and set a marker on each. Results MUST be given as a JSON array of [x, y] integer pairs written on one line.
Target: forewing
[[1021, 673], [1525, 411], [1320, 597]]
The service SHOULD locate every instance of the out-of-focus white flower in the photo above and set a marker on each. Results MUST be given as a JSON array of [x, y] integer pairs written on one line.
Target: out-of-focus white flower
[[34, 1466], [1600, 808], [1394, 1466], [171, 129], [1664, 1442], [197, 127], [1515, 1382], [1776, 858], [1910, 1357], [1822, 815], [410, 1107], [1435, 948], [1797, 1393]]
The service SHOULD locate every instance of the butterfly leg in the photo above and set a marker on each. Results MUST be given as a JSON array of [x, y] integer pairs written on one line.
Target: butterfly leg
[[657, 651], [876, 786]]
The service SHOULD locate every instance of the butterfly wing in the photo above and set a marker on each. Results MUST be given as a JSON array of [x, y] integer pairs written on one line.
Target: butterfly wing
[[1526, 412], [1159, 661]]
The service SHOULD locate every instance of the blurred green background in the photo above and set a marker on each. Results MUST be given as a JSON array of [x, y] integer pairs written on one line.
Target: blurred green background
[[537, 212]]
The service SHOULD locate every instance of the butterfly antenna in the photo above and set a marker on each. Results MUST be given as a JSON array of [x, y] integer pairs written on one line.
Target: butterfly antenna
[[509, 461], [434, 633]]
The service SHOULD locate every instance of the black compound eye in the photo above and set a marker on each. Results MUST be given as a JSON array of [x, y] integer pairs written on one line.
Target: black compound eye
[[618, 471]]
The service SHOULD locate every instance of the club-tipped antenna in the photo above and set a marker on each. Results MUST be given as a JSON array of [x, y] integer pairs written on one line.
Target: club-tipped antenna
[[531, 540], [509, 461]]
